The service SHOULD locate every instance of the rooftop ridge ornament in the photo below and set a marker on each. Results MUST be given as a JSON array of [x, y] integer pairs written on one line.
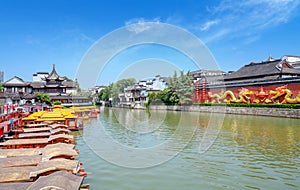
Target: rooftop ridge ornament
[[53, 75]]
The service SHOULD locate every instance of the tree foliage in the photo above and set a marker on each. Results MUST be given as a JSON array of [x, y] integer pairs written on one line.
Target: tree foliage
[[119, 86], [57, 103], [1, 87], [179, 91], [43, 98], [67, 78], [114, 89], [105, 93], [184, 88], [167, 96]]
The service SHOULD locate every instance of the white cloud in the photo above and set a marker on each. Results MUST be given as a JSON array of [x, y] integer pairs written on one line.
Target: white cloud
[[217, 35], [206, 26], [247, 18], [138, 25]]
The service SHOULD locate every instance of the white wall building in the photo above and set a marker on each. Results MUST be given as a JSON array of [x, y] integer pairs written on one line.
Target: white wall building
[[39, 76], [137, 94]]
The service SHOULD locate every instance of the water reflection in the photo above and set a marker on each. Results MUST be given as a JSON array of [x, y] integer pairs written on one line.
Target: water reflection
[[250, 152], [267, 135]]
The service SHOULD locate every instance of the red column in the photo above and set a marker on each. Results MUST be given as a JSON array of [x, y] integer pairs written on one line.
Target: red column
[[197, 98], [204, 98]]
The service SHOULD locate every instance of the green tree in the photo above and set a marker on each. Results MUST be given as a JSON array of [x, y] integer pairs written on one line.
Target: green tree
[[179, 91], [105, 93], [167, 96], [78, 89], [181, 88], [67, 78], [114, 89], [119, 86], [151, 97], [185, 89], [57, 103], [1, 87], [173, 81], [43, 98]]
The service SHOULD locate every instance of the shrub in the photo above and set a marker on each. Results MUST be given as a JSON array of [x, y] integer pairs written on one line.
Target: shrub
[[57, 103], [290, 106]]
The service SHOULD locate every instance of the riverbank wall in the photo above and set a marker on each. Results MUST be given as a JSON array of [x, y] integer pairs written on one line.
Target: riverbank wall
[[272, 112]]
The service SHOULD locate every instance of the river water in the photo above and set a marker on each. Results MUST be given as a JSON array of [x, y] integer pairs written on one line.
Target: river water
[[246, 152]]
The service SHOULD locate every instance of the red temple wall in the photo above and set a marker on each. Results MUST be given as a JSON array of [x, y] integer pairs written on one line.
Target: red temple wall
[[295, 88]]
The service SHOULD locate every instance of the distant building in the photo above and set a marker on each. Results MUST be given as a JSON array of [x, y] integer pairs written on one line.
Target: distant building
[[59, 89], [210, 76], [260, 80], [17, 85], [294, 61], [16, 90], [39, 76], [136, 95], [96, 89], [53, 84], [262, 72]]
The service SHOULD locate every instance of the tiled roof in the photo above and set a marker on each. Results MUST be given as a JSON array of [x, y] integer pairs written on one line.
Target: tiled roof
[[70, 84], [20, 82], [37, 84], [261, 70], [53, 75]]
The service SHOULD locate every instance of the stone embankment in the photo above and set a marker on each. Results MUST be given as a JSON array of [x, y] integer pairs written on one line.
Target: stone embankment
[[274, 112]]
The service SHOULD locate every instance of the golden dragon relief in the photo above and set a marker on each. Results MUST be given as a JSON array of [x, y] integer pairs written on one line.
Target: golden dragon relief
[[247, 96], [287, 93], [229, 97]]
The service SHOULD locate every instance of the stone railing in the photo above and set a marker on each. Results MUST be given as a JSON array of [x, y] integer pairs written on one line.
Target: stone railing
[[274, 112]]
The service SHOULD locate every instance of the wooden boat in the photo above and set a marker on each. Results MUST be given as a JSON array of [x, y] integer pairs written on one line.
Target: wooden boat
[[36, 125], [59, 150], [60, 131], [37, 130], [50, 151], [20, 161], [57, 180], [25, 143], [57, 116], [60, 126], [84, 117], [37, 142], [5, 153], [12, 186], [10, 121], [59, 138], [45, 130], [86, 112], [94, 113], [43, 147], [33, 135], [55, 165], [31, 173], [16, 174]]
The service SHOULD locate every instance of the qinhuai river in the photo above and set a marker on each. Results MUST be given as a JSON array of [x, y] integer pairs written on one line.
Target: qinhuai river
[[250, 152]]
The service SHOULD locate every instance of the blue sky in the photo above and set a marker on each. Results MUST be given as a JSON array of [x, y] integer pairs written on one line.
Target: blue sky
[[35, 34]]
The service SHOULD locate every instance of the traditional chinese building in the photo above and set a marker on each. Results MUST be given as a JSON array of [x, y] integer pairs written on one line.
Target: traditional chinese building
[[53, 84], [16, 90], [270, 81], [62, 89], [138, 92]]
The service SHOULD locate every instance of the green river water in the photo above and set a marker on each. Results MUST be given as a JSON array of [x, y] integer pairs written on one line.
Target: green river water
[[248, 152]]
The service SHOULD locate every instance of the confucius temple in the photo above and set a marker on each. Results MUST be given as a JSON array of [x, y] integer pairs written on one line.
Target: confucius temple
[[274, 81]]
